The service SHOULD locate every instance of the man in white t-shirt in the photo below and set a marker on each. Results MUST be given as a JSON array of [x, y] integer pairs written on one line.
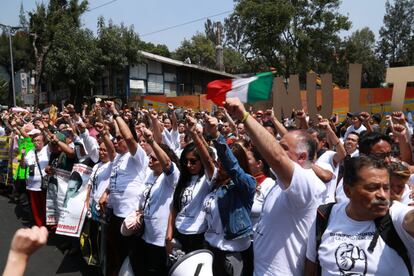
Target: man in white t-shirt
[[348, 245], [356, 126], [330, 160], [289, 208]]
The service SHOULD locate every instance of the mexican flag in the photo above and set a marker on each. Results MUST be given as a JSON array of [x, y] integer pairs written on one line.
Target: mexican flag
[[248, 90]]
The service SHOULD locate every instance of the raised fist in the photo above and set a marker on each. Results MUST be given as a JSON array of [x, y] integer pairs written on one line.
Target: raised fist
[[351, 260]]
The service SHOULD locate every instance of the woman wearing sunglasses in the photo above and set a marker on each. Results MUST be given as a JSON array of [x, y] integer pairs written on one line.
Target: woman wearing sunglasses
[[186, 223], [149, 255]]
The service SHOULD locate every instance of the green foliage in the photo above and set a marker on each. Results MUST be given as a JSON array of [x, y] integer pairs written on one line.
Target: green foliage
[[119, 46], [159, 49], [397, 34], [21, 51], [22, 18], [292, 36], [360, 48], [72, 60], [199, 49]]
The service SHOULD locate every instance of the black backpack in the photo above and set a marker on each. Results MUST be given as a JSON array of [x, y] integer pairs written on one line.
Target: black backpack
[[385, 229]]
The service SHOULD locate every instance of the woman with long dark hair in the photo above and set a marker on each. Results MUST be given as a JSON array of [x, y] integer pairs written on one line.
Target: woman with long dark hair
[[186, 223], [228, 208]]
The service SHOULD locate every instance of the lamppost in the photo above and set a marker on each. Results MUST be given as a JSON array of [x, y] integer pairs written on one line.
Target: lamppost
[[11, 30]]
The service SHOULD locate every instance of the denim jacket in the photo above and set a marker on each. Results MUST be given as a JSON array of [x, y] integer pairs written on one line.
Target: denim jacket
[[235, 199]]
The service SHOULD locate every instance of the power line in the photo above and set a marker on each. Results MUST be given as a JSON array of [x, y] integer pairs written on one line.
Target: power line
[[186, 23], [102, 5]]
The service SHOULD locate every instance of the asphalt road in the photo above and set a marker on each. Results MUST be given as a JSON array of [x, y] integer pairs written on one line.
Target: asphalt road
[[48, 260]]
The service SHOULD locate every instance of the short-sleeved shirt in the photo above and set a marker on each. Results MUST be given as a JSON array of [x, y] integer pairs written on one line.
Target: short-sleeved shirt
[[128, 173], [345, 242], [282, 231], [157, 208], [34, 182]]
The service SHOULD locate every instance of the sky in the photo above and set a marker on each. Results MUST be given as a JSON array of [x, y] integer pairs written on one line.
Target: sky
[[154, 15]]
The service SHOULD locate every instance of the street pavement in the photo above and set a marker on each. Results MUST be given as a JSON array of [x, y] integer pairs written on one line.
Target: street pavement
[[48, 260]]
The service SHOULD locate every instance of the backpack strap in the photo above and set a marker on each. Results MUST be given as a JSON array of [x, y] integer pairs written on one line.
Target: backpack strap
[[386, 229], [322, 218]]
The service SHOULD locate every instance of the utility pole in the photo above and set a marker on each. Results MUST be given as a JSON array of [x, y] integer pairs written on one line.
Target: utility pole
[[10, 30]]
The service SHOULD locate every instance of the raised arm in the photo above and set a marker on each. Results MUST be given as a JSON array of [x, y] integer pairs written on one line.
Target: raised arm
[[123, 129], [91, 145], [162, 156], [280, 128], [300, 116], [401, 133], [172, 116], [25, 242], [227, 159], [103, 132], [64, 147], [334, 141], [267, 145], [366, 118], [205, 157]]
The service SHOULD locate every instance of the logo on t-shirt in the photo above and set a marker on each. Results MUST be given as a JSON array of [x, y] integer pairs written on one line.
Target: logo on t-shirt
[[351, 260]]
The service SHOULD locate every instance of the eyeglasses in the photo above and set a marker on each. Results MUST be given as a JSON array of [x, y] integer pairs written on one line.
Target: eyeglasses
[[380, 155]]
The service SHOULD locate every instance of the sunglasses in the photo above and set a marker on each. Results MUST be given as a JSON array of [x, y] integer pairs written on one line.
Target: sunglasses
[[381, 155], [192, 161]]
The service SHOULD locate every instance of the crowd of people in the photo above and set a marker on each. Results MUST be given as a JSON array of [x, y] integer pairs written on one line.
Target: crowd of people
[[297, 196]]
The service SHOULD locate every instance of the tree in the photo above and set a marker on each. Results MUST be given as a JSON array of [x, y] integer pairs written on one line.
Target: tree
[[22, 18], [397, 32], [212, 33], [72, 61], [292, 36], [119, 46], [21, 56], [199, 49], [360, 48], [44, 23], [159, 49]]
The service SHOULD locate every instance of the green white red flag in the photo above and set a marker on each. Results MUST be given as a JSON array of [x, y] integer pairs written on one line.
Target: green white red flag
[[248, 90]]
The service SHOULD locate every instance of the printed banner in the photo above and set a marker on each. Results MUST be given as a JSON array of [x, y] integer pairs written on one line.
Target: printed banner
[[55, 195], [73, 210]]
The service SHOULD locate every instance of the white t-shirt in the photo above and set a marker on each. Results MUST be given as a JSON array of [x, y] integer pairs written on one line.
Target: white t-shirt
[[345, 242], [351, 128], [282, 232], [326, 161], [34, 182], [157, 208], [191, 219], [99, 180], [128, 173], [259, 197]]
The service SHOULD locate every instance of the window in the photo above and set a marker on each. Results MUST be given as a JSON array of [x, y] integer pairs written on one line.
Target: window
[[155, 83], [154, 67]]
